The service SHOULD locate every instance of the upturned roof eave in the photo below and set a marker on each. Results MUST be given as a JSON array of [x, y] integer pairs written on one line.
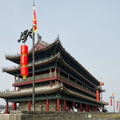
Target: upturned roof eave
[[70, 68], [17, 68], [49, 61], [57, 42], [28, 91], [55, 58], [68, 91], [12, 57], [46, 90], [67, 54]]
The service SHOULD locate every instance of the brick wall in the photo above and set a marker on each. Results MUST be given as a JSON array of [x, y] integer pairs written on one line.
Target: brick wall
[[38, 105], [52, 105], [23, 106], [37, 115]]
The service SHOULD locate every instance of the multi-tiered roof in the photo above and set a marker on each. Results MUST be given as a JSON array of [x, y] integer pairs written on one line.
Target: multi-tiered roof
[[75, 83]]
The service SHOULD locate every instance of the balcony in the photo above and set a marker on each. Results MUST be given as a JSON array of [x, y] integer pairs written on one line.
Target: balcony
[[47, 75], [37, 77]]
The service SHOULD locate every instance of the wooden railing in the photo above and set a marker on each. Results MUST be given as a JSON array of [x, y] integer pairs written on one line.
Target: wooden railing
[[37, 77], [47, 75]]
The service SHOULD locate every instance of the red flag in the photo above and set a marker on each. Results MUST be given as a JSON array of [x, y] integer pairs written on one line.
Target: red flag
[[34, 21], [113, 94]]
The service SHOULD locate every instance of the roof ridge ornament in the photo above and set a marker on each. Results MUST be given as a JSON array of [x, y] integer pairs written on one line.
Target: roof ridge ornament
[[39, 38], [58, 38], [41, 41]]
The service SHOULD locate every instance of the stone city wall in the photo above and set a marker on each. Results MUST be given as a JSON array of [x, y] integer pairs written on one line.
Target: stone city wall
[[37, 115], [52, 105]]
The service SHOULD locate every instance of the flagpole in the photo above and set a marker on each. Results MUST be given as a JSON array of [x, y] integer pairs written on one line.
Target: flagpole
[[33, 66], [33, 2], [33, 69]]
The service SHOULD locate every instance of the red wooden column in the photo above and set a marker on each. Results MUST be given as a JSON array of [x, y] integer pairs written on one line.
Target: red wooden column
[[14, 106], [29, 105], [73, 104], [7, 106], [86, 108], [58, 104], [81, 107], [47, 105], [90, 108], [55, 72], [64, 104], [93, 108]]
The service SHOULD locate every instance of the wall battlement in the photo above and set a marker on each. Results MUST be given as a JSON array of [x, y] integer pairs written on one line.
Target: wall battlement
[[37, 115]]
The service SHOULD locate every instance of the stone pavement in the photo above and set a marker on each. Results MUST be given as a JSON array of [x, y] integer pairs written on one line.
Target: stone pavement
[[4, 116]]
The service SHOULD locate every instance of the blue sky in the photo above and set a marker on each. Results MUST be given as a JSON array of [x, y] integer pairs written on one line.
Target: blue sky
[[89, 30]]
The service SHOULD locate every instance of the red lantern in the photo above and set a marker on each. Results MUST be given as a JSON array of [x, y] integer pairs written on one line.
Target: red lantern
[[24, 49], [23, 60], [24, 71], [110, 102], [97, 95]]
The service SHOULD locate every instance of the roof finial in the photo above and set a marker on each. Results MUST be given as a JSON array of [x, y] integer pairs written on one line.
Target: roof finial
[[57, 38], [39, 38]]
